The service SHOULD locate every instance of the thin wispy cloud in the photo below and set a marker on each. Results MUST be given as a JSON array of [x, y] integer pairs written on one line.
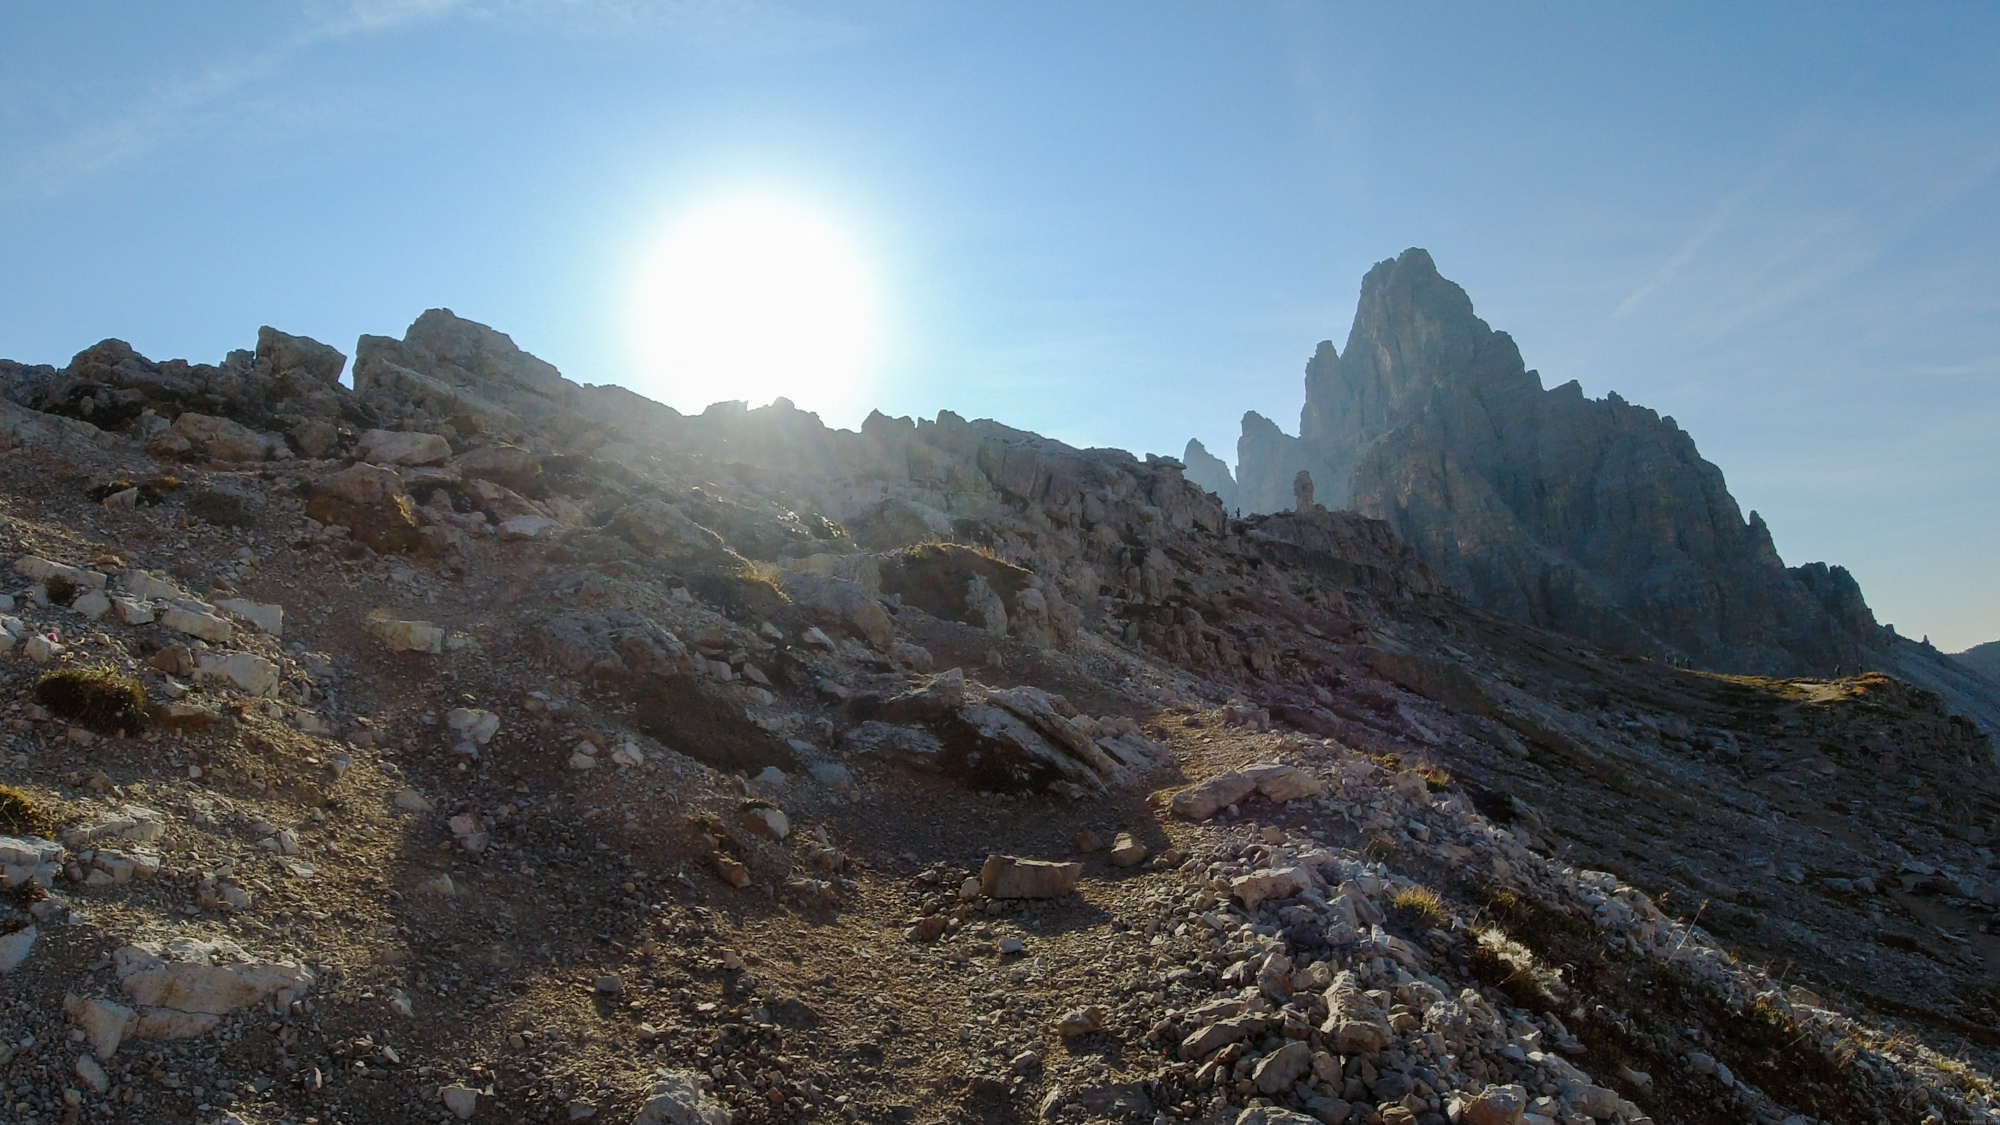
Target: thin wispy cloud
[[1763, 258], [1725, 212], [168, 112], [218, 93]]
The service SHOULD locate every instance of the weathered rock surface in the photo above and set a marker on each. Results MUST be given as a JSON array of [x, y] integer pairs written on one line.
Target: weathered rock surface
[[15, 947], [369, 501], [405, 636], [223, 440], [398, 447], [288, 355]]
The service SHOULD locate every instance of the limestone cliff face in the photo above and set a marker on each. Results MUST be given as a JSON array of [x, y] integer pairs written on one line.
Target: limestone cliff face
[[1208, 471], [1267, 460], [1595, 517]]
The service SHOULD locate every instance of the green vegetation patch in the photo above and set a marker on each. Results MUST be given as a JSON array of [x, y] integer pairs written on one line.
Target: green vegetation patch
[[61, 590], [100, 699], [19, 815], [1417, 909]]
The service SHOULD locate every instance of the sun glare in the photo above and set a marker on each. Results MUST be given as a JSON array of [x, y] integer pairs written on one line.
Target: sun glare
[[754, 300]]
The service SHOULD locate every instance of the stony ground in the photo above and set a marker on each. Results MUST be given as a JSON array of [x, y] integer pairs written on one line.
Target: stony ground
[[652, 798]]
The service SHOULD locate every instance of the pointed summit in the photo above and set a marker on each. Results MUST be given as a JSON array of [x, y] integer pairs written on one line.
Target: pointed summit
[[1597, 518]]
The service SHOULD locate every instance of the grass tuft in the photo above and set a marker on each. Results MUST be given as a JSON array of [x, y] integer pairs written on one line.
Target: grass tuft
[[1435, 776], [1419, 909], [100, 699]]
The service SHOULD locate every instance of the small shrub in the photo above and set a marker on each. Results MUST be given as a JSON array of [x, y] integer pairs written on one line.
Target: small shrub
[[1436, 777], [100, 699], [1497, 960], [1380, 848], [61, 590], [19, 816], [1418, 909]]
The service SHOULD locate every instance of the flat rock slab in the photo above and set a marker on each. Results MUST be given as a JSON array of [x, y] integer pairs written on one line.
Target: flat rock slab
[[1006, 876], [202, 977], [1276, 781]]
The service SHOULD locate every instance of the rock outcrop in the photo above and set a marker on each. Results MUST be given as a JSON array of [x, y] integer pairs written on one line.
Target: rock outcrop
[[1594, 517], [1211, 472]]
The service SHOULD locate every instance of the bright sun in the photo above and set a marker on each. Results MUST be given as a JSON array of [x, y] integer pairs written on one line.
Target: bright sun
[[753, 300]]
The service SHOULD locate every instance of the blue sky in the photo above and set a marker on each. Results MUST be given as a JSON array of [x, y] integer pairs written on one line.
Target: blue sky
[[1119, 224]]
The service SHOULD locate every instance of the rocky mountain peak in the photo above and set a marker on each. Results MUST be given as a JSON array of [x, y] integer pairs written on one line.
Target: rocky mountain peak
[[1414, 337], [1595, 517]]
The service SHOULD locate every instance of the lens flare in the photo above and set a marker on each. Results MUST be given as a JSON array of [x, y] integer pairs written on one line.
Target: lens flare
[[755, 299]]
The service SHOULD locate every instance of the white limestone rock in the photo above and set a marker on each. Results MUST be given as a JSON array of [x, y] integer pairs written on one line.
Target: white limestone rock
[[269, 619], [405, 636]]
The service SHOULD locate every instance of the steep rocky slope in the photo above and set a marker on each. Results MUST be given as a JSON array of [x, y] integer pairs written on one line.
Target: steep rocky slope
[[1596, 518], [477, 745]]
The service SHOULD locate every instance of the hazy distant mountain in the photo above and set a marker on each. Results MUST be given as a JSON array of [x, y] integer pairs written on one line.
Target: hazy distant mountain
[[1983, 659]]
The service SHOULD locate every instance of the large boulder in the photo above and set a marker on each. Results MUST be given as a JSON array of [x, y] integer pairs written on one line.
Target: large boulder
[[301, 356], [1006, 876], [501, 463], [405, 636], [15, 947], [836, 603], [220, 439], [402, 447], [23, 860], [663, 530], [368, 500], [994, 749], [1354, 1024], [462, 372], [183, 987], [1257, 887], [1276, 781], [1496, 1105], [620, 647]]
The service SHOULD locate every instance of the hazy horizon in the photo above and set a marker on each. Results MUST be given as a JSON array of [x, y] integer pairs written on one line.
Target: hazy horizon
[[1115, 226]]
